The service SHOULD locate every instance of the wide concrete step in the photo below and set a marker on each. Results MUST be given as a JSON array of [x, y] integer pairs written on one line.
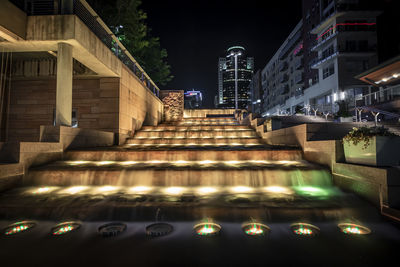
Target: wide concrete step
[[169, 127], [194, 141], [195, 134], [202, 122], [180, 174], [209, 118], [120, 154]]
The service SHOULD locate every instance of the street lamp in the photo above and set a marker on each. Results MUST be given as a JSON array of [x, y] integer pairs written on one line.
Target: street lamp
[[236, 54]]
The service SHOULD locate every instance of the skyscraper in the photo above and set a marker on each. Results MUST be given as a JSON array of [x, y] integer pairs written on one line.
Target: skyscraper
[[234, 70]]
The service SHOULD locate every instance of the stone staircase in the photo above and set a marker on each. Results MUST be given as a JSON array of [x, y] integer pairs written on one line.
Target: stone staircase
[[193, 152], [202, 163]]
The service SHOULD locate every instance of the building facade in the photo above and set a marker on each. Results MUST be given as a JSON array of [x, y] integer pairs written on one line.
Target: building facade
[[256, 93], [234, 68], [193, 99], [282, 77], [339, 41]]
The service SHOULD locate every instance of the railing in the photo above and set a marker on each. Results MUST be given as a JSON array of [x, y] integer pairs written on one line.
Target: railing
[[378, 97], [283, 66], [319, 60], [336, 51], [298, 64], [88, 16], [284, 78], [298, 78], [298, 92], [324, 40]]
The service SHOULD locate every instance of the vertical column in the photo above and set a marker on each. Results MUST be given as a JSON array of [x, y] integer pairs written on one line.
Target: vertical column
[[64, 85]]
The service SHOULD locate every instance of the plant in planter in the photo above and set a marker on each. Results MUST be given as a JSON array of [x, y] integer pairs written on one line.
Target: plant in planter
[[343, 113], [299, 110], [375, 146]]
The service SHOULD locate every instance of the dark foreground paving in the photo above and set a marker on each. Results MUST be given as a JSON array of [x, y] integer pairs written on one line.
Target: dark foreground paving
[[85, 247], [182, 248]]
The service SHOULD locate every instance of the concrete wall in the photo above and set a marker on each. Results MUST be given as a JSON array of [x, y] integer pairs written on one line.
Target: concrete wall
[[44, 32], [33, 101], [76, 137], [380, 186], [119, 105], [138, 105], [12, 21]]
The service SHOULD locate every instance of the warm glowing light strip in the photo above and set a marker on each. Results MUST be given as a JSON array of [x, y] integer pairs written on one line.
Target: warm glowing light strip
[[346, 24]]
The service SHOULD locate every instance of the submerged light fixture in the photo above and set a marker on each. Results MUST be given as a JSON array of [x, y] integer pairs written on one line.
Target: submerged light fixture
[[112, 229], [207, 228], [65, 227], [159, 229], [353, 229], [255, 229], [19, 227], [305, 229]]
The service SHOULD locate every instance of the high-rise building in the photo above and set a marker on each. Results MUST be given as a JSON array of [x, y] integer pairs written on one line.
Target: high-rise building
[[256, 93], [193, 99], [282, 77], [234, 70], [338, 41]]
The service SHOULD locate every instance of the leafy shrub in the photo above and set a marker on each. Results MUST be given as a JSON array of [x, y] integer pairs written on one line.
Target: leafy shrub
[[364, 134]]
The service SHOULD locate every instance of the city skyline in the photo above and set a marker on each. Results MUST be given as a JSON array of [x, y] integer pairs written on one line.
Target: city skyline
[[194, 57], [208, 32]]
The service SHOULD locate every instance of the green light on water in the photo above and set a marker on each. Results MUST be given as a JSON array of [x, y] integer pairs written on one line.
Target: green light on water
[[312, 191]]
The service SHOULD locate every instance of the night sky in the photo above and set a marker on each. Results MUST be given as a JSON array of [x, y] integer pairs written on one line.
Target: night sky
[[195, 33]]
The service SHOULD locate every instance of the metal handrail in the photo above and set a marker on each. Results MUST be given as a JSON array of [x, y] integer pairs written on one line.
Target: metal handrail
[[120, 45], [92, 20]]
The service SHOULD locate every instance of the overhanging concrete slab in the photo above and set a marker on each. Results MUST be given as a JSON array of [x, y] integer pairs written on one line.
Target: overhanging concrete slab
[[45, 32]]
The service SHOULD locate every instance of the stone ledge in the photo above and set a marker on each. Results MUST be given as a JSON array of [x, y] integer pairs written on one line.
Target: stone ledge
[[76, 137]]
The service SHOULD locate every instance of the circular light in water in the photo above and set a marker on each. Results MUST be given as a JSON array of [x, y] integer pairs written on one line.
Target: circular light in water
[[207, 229], [255, 229], [353, 229], [64, 228], [112, 229], [159, 229], [19, 227], [305, 229]]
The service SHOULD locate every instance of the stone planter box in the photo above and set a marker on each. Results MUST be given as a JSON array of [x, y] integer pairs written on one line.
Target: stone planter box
[[382, 151], [346, 119]]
